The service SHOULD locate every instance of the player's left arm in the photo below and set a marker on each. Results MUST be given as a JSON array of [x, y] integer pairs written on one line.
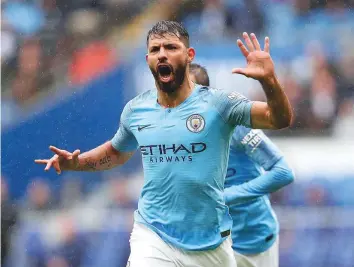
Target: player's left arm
[[276, 113], [265, 153]]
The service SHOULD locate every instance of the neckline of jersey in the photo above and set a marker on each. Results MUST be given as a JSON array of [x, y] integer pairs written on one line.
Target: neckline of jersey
[[195, 90]]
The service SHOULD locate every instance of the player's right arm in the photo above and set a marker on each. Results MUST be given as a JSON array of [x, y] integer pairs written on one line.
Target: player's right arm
[[104, 157], [276, 113]]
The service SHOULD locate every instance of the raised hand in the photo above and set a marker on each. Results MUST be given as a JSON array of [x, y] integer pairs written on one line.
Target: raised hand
[[260, 65], [62, 160]]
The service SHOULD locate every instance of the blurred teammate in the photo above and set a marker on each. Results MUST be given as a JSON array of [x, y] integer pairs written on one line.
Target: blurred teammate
[[183, 132], [255, 226]]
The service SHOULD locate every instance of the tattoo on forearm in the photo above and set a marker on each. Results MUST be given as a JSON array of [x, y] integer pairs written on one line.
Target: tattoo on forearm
[[105, 160], [94, 165], [91, 165]]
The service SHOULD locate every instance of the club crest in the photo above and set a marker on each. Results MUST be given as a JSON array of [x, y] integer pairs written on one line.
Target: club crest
[[195, 123]]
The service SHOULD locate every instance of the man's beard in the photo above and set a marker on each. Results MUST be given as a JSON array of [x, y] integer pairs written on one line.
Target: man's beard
[[178, 78]]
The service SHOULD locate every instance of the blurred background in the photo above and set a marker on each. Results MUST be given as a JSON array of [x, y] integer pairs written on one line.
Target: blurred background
[[69, 67]]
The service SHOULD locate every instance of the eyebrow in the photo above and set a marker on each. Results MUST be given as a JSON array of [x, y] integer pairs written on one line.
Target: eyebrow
[[165, 44]]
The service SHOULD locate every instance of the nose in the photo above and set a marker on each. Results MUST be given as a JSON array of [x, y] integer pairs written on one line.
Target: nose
[[162, 54]]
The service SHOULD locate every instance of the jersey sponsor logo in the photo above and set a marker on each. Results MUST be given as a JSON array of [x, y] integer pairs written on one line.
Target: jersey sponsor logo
[[142, 127], [234, 95], [172, 153], [195, 123], [252, 139]]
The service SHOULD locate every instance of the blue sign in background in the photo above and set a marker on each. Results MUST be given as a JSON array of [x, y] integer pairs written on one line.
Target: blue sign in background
[[83, 120]]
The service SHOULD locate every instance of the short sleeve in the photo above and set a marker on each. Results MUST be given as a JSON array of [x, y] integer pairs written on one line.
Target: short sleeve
[[233, 107], [257, 146], [124, 140]]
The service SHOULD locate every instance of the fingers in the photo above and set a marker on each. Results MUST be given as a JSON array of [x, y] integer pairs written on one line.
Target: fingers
[[61, 152], [53, 162], [248, 41], [243, 48], [76, 154], [47, 167], [41, 161], [255, 42], [49, 164], [252, 44], [56, 166], [266, 44], [240, 71]]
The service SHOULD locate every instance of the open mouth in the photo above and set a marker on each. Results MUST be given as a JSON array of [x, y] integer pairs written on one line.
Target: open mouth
[[165, 72]]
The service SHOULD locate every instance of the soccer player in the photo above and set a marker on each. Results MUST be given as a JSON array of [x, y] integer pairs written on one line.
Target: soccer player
[[255, 226], [183, 132]]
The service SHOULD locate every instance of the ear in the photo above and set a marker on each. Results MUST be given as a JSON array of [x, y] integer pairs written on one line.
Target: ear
[[146, 57], [191, 54]]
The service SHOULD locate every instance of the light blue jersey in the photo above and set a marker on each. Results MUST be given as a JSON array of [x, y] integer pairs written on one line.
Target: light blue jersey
[[185, 153], [255, 226]]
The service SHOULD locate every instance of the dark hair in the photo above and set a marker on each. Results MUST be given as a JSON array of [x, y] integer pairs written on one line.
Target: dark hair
[[200, 73], [169, 27]]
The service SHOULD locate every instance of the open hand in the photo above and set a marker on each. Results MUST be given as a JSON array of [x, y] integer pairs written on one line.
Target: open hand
[[260, 65], [62, 160]]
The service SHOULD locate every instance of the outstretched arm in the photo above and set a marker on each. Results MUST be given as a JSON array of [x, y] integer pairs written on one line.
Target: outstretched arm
[[103, 157], [277, 112]]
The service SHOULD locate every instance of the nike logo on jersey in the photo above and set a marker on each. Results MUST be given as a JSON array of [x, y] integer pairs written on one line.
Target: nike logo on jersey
[[141, 127]]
